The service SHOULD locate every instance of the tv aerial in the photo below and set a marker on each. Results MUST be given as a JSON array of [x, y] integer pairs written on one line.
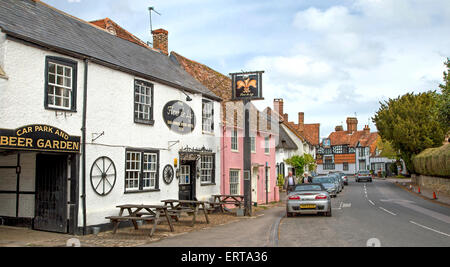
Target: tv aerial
[[150, 10]]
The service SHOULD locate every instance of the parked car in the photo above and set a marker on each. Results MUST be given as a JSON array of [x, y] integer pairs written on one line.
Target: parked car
[[310, 198], [345, 178], [363, 175], [338, 180], [328, 183]]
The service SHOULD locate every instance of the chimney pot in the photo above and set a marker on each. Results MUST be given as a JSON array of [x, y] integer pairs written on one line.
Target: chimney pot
[[278, 106], [161, 40], [301, 121], [352, 124]]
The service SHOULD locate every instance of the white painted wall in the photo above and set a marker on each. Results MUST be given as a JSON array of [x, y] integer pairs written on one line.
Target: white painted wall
[[110, 109]]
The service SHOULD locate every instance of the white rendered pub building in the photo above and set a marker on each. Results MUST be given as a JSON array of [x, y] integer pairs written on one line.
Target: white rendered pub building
[[89, 121]]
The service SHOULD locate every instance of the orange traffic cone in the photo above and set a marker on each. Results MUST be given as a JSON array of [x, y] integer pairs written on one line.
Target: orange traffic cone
[[434, 195], [419, 190]]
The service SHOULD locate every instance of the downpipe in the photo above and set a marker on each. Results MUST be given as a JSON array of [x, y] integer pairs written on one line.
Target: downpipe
[[83, 145]]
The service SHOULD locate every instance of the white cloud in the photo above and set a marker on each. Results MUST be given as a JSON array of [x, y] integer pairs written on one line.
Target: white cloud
[[354, 56]]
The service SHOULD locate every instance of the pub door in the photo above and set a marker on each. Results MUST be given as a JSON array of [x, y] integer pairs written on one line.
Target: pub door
[[51, 193], [187, 180]]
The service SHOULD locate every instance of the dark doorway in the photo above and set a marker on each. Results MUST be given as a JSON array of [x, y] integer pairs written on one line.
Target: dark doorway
[[51, 193], [187, 180]]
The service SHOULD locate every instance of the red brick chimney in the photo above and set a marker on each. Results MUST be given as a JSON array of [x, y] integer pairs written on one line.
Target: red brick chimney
[[366, 129], [161, 40], [278, 106], [339, 128], [352, 125], [301, 121]]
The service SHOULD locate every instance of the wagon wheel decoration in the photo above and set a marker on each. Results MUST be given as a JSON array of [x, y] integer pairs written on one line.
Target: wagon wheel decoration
[[103, 176]]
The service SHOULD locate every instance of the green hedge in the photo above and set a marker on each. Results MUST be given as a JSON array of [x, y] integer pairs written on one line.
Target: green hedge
[[433, 162]]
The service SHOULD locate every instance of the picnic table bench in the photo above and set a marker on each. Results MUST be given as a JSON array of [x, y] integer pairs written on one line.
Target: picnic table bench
[[151, 213], [221, 200], [191, 207]]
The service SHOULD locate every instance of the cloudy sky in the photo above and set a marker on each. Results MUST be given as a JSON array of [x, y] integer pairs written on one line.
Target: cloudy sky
[[330, 59]]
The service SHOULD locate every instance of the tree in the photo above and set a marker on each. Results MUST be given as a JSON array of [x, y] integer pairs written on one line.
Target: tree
[[411, 124], [300, 162], [386, 149], [444, 101]]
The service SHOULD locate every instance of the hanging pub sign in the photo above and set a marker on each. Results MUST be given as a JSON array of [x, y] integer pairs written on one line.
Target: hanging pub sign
[[326, 143], [247, 85], [39, 137], [179, 117]]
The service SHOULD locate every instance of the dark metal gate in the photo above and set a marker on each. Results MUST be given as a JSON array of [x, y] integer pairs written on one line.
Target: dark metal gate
[[51, 193]]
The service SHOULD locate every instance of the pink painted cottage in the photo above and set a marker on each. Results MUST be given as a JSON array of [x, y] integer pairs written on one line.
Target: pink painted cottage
[[263, 131]]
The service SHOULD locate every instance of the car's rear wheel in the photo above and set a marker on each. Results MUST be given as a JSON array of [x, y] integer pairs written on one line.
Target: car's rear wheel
[[328, 213], [289, 214]]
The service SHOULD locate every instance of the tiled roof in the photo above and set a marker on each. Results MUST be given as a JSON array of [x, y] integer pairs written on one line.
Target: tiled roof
[[38, 23], [311, 133], [118, 31], [365, 138], [285, 141], [220, 85]]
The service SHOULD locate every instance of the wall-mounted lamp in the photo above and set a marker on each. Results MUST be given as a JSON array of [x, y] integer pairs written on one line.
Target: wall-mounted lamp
[[188, 98]]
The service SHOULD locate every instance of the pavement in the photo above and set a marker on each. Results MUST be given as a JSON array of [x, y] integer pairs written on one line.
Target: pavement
[[425, 193], [261, 230]]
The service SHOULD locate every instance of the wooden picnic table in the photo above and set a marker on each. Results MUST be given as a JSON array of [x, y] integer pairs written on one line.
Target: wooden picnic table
[[237, 200], [189, 206], [135, 213]]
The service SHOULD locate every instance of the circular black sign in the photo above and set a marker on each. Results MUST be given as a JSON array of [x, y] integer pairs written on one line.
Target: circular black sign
[[179, 117], [168, 174]]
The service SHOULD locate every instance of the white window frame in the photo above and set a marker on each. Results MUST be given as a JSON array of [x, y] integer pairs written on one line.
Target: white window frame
[[207, 116], [185, 170], [234, 140], [143, 102], [267, 145], [237, 184], [132, 170], [206, 169], [150, 169], [253, 144], [141, 171], [60, 85]]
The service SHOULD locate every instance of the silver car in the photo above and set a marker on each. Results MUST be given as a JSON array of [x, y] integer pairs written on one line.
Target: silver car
[[308, 199], [338, 181], [328, 183]]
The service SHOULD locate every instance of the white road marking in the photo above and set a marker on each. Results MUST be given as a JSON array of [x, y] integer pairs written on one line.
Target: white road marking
[[347, 205], [388, 211], [428, 228], [371, 202]]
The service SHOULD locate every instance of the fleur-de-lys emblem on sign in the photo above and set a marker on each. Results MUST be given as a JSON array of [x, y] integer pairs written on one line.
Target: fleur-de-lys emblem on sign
[[246, 84]]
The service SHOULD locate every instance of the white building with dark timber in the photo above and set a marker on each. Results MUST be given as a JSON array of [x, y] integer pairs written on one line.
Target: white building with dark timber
[[89, 121]]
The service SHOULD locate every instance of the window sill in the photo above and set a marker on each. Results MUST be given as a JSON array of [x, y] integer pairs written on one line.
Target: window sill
[[207, 184], [235, 151], [142, 191], [144, 122], [208, 133], [60, 109]]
